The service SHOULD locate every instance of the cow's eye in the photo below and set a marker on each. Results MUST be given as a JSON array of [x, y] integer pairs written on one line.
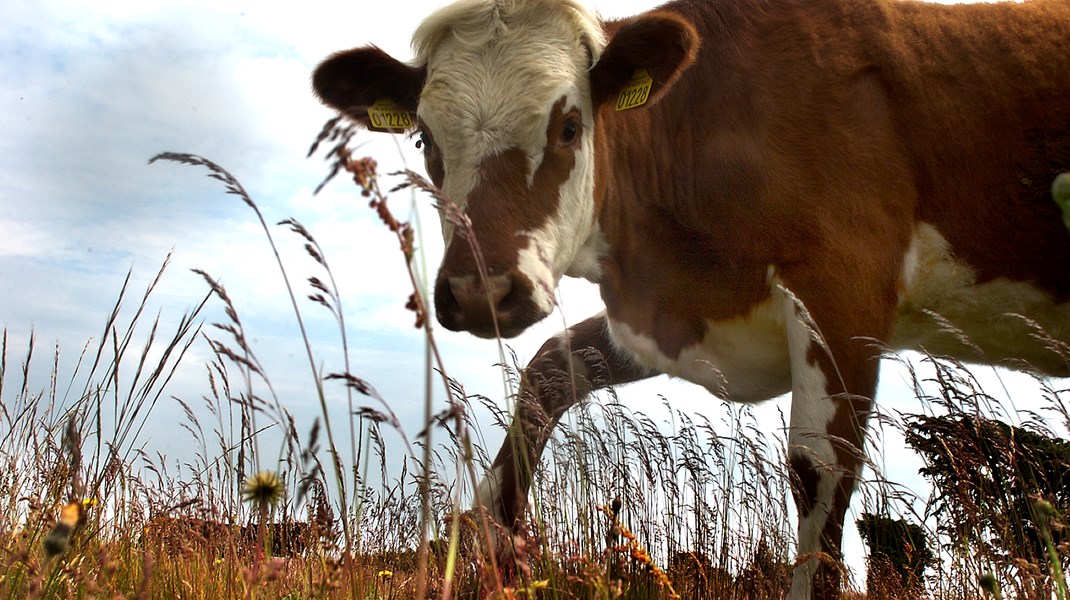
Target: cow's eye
[[424, 142], [569, 132]]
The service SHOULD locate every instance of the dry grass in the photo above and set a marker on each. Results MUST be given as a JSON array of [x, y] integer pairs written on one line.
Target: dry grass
[[627, 506]]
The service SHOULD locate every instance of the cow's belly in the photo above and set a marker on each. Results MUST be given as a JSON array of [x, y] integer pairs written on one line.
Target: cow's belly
[[743, 359], [942, 310], [945, 312]]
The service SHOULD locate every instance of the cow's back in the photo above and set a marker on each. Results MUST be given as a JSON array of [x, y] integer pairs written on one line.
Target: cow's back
[[981, 95]]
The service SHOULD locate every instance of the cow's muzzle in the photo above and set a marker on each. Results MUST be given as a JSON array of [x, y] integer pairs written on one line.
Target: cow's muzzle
[[498, 305]]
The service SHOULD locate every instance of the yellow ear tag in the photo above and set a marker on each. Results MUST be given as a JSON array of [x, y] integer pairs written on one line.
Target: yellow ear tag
[[636, 91], [386, 115]]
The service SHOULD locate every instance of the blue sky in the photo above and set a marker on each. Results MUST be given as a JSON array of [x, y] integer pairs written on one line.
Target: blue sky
[[90, 91]]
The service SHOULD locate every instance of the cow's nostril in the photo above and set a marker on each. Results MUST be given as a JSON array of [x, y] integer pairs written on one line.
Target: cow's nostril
[[510, 300], [446, 304]]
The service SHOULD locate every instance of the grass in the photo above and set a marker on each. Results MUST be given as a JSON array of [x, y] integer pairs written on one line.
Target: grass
[[629, 505]]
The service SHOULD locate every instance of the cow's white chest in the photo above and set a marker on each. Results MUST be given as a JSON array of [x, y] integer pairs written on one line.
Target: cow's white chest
[[743, 359]]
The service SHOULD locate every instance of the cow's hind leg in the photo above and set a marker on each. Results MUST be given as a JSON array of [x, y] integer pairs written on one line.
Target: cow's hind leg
[[564, 371], [833, 380]]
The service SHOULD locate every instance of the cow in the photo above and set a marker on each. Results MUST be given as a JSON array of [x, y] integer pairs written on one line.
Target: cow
[[770, 195]]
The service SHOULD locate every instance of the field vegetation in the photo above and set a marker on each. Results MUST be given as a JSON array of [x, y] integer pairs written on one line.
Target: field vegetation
[[624, 506]]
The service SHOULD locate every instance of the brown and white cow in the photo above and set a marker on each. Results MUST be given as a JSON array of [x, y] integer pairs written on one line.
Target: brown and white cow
[[803, 185]]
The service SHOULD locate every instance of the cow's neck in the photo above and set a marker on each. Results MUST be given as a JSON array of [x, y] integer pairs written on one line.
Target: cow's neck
[[662, 274]]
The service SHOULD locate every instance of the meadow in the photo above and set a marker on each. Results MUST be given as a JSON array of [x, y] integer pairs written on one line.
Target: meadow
[[622, 505]]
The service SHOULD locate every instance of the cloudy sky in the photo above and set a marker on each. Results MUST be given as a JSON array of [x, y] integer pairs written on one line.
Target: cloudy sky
[[90, 91]]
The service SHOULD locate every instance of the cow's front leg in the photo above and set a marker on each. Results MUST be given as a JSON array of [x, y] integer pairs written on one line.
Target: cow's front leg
[[834, 376], [567, 368]]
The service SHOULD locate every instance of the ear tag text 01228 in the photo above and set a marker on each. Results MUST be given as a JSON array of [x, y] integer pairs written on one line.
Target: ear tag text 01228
[[636, 91], [386, 115]]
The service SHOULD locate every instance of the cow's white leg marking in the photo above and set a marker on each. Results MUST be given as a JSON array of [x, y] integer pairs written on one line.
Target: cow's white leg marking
[[489, 494], [811, 456]]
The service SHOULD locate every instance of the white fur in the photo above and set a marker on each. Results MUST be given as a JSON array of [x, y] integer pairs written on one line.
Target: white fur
[[489, 493], [743, 359], [552, 249], [534, 264], [495, 71], [935, 283], [586, 262], [812, 410]]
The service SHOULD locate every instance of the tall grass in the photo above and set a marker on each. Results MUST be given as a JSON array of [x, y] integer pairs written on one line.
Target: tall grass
[[75, 442], [627, 504]]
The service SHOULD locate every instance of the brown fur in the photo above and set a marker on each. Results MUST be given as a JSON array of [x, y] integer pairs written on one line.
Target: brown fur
[[814, 135]]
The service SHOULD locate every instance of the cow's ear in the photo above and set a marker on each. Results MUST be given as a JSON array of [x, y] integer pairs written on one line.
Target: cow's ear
[[354, 80], [663, 45]]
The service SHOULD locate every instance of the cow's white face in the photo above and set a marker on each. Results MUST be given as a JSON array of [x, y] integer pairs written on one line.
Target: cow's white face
[[507, 122], [505, 97]]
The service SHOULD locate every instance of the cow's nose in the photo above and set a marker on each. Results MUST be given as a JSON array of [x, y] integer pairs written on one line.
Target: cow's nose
[[501, 305], [473, 295], [483, 307]]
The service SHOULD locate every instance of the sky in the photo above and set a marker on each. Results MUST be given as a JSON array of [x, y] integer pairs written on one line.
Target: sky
[[90, 91]]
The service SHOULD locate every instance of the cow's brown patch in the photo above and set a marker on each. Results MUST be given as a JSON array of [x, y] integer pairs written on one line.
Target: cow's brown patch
[[505, 212], [804, 480]]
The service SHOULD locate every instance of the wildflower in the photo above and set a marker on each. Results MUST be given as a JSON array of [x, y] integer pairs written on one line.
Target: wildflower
[[639, 554], [264, 489], [990, 585], [70, 516], [385, 574]]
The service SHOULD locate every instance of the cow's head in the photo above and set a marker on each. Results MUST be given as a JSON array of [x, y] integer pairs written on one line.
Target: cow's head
[[505, 95]]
